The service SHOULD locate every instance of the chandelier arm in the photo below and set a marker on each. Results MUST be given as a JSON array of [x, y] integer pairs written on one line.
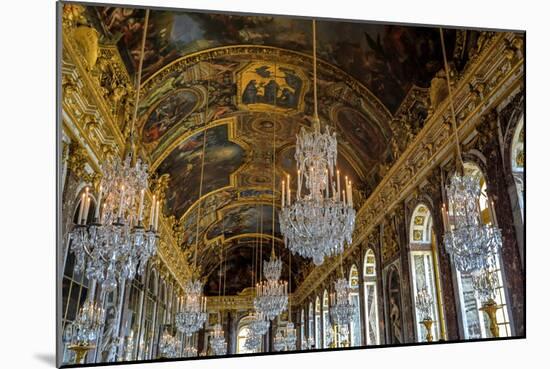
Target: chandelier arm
[[451, 98], [140, 67], [205, 129]]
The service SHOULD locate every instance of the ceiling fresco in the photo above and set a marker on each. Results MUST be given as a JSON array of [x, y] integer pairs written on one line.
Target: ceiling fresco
[[245, 219], [222, 158], [388, 59], [246, 252]]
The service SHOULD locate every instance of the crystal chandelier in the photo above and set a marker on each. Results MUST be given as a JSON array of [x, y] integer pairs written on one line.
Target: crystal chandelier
[[272, 294], [279, 343], [168, 345], [320, 222], [285, 339], [469, 243], [290, 339], [342, 310], [424, 303], [85, 329], [259, 325], [189, 351], [329, 336], [116, 243], [253, 341], [217, 342], [485, 283], [310, 343], [193, 314]]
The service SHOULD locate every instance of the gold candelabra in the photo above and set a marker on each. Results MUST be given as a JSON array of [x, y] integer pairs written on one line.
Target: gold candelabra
[[80, 351], [490, 308], [428, 324]]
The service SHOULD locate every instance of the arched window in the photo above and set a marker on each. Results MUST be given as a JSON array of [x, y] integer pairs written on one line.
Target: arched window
[[310, 321], [318, 335], [145, 348], [242, 333], [518, 164], [355, 324], [302, 330], [326, 322], [475, 322], [422, 268], [74, 284], [371, 300]]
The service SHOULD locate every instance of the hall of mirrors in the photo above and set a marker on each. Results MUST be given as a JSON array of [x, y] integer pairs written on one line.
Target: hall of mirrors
[[235, 184]]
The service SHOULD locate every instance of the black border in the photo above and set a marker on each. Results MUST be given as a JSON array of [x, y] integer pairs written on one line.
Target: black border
[[59, 47]]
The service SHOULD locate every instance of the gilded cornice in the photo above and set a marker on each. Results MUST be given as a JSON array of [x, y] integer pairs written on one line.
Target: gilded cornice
[[499, 68]]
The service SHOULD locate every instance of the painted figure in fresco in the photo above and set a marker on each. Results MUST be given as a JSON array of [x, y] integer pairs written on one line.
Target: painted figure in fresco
[[280, 89], [395, 319], [171, 111], [250, 93]]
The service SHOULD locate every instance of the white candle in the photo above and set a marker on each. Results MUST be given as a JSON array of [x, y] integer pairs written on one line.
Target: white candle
[[344, 197], [347, 189], [157, 215], [152, 213], [121, 202], [81, 209], [87, 210], [97, 208], [338, 183], [141, 195], [282, 194], [86, 205], [288, 188]]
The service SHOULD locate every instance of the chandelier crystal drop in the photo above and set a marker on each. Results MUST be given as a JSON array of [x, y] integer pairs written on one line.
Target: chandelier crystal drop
[[217, 342], [193, 314], [85, 329], [424, 303], [272, 294], [342, 310], [168, 345], [469, 242]]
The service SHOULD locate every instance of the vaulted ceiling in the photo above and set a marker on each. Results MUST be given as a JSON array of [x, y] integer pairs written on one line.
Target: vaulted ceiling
[[209, 80]]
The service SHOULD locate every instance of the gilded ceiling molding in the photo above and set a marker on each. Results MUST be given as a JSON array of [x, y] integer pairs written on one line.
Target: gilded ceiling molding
[[501, 72], [85, 81]]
